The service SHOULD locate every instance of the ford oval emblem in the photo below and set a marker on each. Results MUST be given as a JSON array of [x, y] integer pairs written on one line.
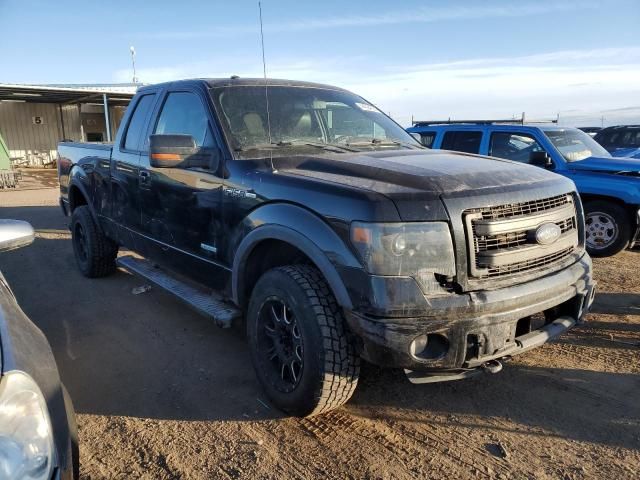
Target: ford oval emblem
[[547, 233]]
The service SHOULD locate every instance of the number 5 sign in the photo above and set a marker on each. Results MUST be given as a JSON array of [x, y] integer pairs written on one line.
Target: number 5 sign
[[38, 120]]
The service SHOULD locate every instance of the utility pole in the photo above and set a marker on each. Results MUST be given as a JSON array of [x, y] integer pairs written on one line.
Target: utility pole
[[133, 62]]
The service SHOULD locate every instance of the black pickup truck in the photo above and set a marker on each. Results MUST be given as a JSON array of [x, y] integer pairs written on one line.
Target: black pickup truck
[[304, 211]]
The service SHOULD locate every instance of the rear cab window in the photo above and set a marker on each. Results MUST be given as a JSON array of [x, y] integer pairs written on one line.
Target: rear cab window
[[462, 141], [137, 123]]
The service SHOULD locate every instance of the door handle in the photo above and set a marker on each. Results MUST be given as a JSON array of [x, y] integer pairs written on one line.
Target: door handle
[[145, 177]]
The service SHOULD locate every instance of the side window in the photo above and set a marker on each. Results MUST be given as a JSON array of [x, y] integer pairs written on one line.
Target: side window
[[183, 113], [137, 122], [608, 139], [631, 138], [427, 138], [513, 146], [468, 142]]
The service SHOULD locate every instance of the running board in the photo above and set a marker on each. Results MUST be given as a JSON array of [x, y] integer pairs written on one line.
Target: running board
[[200, 299]]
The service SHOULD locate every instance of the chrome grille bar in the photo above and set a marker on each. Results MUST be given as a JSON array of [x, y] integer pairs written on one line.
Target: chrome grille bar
[[502, 239]]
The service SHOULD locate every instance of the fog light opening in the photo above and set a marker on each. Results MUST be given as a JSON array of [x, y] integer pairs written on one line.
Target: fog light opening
[[432, 346]]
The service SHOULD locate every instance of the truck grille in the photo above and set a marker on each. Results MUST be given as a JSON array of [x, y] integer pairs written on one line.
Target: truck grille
[[525, 208], [503, 239]]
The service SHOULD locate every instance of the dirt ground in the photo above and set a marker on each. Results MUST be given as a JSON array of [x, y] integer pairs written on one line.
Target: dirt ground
[[161, 393]]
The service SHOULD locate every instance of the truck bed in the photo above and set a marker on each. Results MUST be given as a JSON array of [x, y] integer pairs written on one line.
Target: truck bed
[[71, 154]]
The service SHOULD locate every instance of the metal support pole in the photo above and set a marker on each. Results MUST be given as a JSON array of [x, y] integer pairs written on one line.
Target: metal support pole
[[107, 121], [64, 134]]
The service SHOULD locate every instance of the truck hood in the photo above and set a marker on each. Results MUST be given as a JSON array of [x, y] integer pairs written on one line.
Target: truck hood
[[626, 152], [417, 181], [606, 164], [411, 171]]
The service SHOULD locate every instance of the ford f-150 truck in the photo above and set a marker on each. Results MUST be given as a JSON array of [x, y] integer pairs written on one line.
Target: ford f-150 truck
[[304, 211], [609, 187]]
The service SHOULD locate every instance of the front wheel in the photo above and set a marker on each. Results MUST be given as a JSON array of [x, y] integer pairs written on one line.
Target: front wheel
[[300, 347], [607, 228]]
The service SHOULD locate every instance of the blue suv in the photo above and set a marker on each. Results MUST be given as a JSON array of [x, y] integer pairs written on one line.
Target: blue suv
[[609, 186]]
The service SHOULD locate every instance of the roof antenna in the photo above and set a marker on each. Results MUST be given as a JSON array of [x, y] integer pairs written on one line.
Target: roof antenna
[[266, 85]]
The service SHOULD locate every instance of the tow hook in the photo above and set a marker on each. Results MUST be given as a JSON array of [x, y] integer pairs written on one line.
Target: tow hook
[[492, 366]]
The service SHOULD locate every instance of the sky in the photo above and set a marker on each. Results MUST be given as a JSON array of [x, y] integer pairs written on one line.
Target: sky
[[414, 59]]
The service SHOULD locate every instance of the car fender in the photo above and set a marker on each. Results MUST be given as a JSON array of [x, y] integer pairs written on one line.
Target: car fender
[[622, 187], [305, 231], [80, 180]]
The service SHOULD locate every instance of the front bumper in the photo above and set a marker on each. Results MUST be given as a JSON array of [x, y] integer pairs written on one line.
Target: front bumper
[[465, 331]]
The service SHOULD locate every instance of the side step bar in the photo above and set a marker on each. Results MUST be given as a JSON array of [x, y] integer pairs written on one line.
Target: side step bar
[[200, 299]]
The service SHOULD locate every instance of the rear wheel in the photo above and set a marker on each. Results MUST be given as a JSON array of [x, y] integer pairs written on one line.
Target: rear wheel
[[300, 348], [607, 228], [95, 253]]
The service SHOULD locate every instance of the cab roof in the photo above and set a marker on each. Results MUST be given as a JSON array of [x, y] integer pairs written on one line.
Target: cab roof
[[235, 81], [491, 126]]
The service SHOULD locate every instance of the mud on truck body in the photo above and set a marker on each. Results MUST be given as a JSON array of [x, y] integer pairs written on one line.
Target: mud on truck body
[[330, 232]]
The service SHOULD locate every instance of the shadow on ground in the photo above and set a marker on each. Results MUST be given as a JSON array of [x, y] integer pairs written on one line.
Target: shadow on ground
[[617, 303]]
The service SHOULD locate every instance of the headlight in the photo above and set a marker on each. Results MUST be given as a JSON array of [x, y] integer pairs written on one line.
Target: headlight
[[26, 443], [419, 250]]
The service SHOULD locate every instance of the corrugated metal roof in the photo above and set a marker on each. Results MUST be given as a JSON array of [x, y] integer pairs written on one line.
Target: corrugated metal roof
[[118, 94]]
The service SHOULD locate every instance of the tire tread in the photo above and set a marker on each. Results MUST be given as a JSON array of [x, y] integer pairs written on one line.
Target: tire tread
[[102, 250], [341, 361]]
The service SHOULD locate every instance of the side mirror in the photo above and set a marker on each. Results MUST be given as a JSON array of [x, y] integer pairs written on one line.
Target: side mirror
[[540, 159], [180, 151], [417, 136], [15, 234]]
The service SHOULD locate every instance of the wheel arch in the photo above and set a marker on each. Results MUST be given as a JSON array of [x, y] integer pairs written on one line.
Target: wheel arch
[[632, 210], [78, 196], [272, 230]]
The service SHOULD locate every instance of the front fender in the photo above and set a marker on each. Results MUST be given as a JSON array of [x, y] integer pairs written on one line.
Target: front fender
[[305, 231], [626, 188]]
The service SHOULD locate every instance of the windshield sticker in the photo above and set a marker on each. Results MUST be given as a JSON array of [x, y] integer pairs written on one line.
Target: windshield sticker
[[367, 108]]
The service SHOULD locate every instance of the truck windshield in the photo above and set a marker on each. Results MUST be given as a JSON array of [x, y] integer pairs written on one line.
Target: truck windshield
[[575, 145], [301, 118]]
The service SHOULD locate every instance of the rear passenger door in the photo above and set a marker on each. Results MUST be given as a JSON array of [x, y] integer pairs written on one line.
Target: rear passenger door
[[125, 168], [467, 141]]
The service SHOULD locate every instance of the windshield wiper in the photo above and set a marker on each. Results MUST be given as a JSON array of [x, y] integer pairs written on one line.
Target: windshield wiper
[[377, 142], [331, 147]]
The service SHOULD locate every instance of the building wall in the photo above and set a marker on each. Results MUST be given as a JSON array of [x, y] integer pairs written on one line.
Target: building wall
[[23, 137], [35, 145]]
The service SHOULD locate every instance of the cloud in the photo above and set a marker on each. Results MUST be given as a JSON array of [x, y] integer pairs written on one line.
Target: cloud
[[434, 14], [580, 85], [402, 16]]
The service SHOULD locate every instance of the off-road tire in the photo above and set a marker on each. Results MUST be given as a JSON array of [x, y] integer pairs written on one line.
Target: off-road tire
[[331, 365], [622, 224], [95, 253]]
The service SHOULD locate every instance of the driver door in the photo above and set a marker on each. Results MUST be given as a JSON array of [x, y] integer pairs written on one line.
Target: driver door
[[516, 146], [182, 207]]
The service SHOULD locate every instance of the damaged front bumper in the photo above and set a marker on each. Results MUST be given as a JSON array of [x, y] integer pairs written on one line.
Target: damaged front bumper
[[464, 334]]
